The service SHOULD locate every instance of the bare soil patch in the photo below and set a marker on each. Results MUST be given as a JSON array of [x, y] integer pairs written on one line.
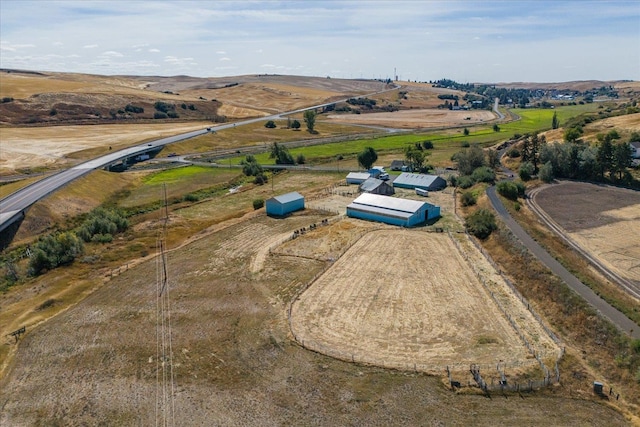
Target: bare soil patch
[[36, 147], [417, 119], [603, 220]]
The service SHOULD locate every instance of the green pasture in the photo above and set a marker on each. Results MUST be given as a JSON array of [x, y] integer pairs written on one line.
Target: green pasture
[[446, 143], [179, 181]]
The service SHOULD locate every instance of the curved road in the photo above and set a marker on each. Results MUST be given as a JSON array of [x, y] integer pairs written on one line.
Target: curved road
[[14, 206], [621, 321]]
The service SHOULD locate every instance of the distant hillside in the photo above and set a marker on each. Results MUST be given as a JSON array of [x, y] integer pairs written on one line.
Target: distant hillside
[[44, 98]]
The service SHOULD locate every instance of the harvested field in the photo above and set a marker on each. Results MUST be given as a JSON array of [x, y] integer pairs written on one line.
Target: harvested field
[[603, 220], [416, 119], [404, 308], [37, 147]]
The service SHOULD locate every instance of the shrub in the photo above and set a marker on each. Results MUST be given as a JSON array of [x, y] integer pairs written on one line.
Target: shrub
[[484, 174], [468, 198], [190, 197], [130, 108], [163, 107], [517, 206], [513, 153], [465, 132], [481, 223], [508, 189], [260, 179], [465, 181], [159, 115], [257, 204], [270, 124], [101, 225], [300, 159], [427, 145], [173, 115]]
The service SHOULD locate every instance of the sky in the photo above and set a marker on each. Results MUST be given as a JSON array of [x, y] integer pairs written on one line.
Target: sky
[[419, 40]]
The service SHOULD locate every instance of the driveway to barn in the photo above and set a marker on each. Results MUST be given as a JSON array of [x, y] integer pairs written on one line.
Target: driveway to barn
[[621, 321]]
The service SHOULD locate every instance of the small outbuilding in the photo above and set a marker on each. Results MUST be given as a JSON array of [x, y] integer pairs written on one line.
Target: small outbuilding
[[357, 177], [392, 210], [284, 204], [376, 186], [635, 147], [397, 165], [419, 180]]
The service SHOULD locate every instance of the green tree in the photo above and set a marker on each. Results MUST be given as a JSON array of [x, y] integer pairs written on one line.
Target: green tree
[[496, 128], [310, 120], [295, 124], [367, 158], [481, 223], [250, 166], [526, 171], [414, 157], [605, 157], [465, 132], [555, 123], [621, 158], [469, 159], [546, 172], [281, 154], [270, 124]]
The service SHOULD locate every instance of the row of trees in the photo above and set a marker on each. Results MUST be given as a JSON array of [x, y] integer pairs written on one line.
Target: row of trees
[[607, 160]]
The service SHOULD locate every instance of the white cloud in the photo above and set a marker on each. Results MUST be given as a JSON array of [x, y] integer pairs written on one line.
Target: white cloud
[[221, 52], [224, 59], [154, 50], [112, 54], [90, 46]]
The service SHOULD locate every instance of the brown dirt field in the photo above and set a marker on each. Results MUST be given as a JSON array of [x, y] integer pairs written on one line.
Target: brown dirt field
[[35, 147], [605, 221], [233, 361], [421, 310], [417, 119]]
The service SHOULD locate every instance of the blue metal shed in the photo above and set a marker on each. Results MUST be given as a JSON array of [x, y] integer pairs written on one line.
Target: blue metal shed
[[284, 204], [419, 180], [392, 210]]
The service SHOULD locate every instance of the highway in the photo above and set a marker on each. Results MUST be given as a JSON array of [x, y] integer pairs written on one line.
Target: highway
[[14, 206]]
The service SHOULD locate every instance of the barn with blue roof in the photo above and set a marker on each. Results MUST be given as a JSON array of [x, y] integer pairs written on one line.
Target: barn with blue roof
[[419, 180], [284, 204], [392, 210]]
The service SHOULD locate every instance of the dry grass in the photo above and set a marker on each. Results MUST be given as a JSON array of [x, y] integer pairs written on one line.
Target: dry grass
[[400, 308], [234, 363]]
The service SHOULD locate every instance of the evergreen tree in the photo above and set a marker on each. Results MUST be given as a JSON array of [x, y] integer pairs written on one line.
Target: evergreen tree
[[555, 123]]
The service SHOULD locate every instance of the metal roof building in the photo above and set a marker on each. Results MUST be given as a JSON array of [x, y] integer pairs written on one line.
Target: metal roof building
[[376, 186], [357, 177], [284, 204], [392, 210], [418, 180]]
